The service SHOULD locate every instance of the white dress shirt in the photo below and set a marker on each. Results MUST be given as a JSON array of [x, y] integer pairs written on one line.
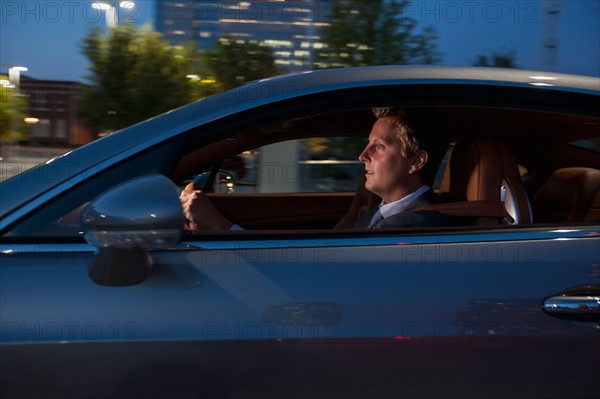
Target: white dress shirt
[[399, 206]]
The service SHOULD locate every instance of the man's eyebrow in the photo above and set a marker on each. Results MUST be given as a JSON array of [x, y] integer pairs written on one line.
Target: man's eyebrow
[[379, 139]]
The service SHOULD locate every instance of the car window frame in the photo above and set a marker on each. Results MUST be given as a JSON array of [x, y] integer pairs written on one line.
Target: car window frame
[[415, 95]]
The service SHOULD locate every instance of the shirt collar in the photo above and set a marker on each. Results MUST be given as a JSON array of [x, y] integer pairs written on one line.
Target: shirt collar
[[399, 206]]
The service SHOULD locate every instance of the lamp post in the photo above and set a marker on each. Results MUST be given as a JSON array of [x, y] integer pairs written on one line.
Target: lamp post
[[14, 76], [110, 10]]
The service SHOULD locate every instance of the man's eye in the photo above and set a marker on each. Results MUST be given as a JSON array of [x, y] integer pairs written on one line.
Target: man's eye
[[379, 147]]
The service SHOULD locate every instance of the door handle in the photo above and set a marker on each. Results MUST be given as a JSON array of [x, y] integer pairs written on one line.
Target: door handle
[[581, 303]]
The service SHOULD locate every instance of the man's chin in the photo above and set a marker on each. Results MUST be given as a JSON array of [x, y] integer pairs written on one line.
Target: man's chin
[[370, 188]]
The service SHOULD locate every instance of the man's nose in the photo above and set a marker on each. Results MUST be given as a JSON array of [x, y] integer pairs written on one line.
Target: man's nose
[[363, 155]]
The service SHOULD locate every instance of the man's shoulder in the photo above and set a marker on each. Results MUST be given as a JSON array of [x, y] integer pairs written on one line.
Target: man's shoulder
[[427, 198]]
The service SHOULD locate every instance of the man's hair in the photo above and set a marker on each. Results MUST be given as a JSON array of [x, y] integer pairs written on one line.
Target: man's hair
[[420, 129]]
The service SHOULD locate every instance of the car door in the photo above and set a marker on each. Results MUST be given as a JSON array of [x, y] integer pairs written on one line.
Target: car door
[[405, 314], [383, 315]]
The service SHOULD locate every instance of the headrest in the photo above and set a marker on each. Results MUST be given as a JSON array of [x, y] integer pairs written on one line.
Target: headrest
[[475, 171]]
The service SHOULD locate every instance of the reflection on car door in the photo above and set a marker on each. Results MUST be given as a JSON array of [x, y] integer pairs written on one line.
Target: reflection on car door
[[386, 315]]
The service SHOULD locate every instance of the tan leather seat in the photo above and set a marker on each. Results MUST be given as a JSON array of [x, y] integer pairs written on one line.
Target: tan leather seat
[[569, 195], [475, 170], [482, 181]]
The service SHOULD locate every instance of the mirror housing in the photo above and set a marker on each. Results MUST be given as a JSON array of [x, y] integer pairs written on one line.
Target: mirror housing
[[127, 221]]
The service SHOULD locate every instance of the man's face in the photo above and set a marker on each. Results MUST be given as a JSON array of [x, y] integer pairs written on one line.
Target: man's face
[[388, 172]]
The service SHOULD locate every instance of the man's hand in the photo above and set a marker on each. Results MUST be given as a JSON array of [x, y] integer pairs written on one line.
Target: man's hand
[[200, 211]]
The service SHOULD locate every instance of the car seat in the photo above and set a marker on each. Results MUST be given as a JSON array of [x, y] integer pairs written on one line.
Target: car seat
[[482, 182], [569, 195]]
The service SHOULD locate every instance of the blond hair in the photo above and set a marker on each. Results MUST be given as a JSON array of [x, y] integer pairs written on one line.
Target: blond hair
[[398, 117]]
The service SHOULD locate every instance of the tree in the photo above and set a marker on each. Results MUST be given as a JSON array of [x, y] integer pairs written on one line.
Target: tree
[[235, 62], [135, 74], [500, 59], [12, 112], [378, 32]]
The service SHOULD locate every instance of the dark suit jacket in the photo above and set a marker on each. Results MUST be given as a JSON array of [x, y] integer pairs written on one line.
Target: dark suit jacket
[[409, 217]]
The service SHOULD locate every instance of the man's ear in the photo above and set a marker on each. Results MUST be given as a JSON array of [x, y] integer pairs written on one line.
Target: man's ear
[[419, 162]]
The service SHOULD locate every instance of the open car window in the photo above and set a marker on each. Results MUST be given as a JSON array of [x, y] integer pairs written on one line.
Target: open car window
[[62, 216], [282, 185], [317, 164], [300, 173]]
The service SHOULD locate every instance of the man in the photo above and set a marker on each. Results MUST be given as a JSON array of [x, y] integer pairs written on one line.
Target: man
[[401, 159]]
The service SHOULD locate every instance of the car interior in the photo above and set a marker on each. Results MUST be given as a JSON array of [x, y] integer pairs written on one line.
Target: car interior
[[505, 167]]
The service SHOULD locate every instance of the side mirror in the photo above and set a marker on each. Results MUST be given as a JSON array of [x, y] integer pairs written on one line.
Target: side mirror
[[127, 221]]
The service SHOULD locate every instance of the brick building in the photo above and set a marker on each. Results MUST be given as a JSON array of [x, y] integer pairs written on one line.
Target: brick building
[[53, 106]]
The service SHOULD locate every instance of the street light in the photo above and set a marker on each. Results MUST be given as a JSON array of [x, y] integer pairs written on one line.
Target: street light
[[14, 75], [112, 19]]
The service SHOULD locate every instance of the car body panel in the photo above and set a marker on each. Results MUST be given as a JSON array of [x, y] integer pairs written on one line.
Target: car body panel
[[455, 311], [239, 309]]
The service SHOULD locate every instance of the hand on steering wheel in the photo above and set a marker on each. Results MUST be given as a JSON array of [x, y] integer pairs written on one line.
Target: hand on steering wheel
[[200, 211]]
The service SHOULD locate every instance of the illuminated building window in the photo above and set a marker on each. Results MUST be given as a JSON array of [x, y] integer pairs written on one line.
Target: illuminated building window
[[278, 43]]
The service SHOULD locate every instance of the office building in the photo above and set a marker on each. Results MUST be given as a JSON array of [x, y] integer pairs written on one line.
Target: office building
[[289, 28]]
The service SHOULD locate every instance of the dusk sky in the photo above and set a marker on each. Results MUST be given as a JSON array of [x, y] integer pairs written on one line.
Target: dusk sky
[[45, 36]]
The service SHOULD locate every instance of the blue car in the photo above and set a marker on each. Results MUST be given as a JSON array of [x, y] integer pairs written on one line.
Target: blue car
[[105, 294]]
